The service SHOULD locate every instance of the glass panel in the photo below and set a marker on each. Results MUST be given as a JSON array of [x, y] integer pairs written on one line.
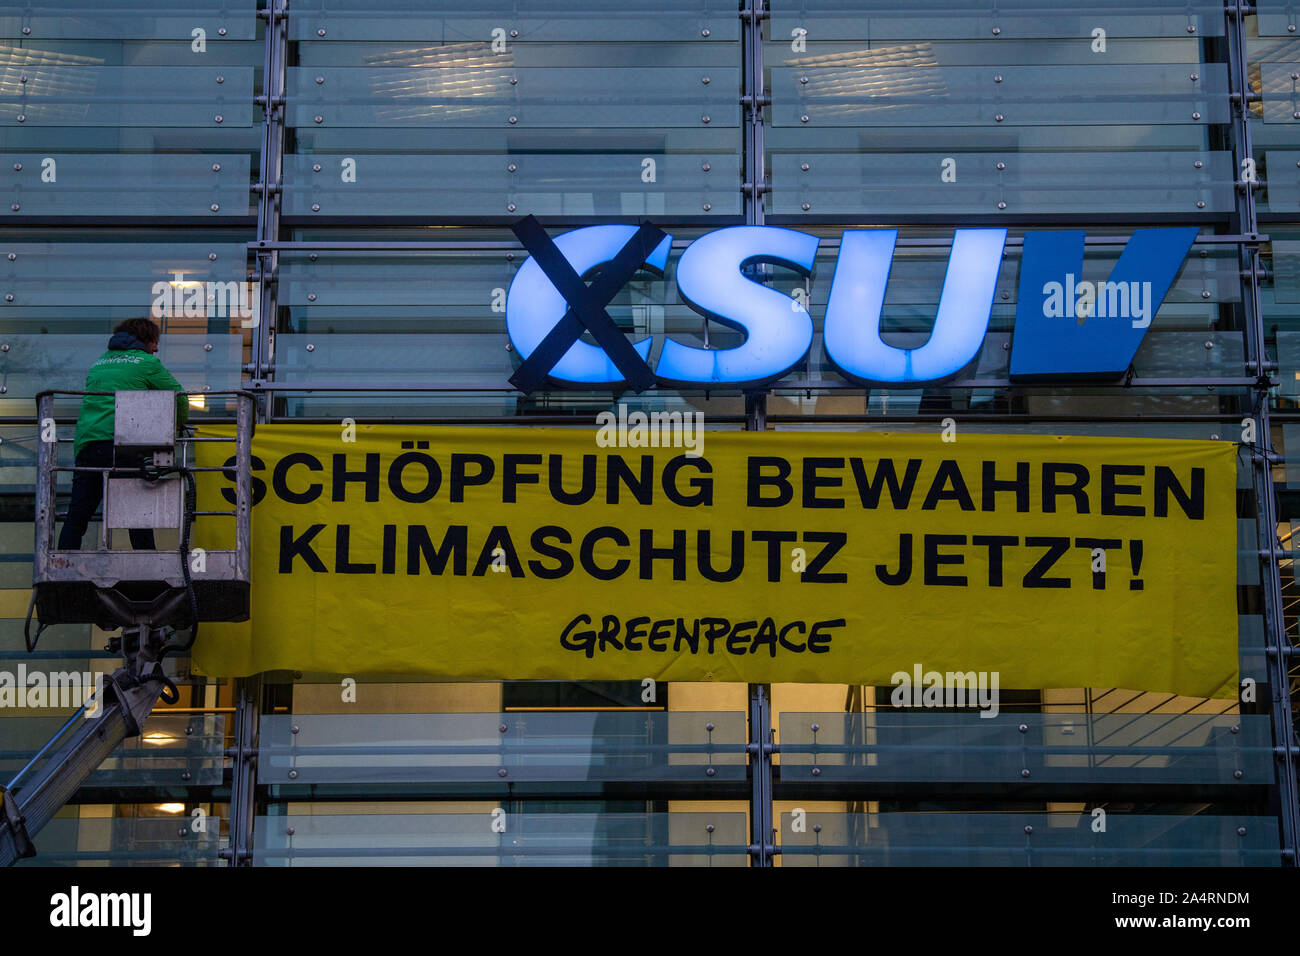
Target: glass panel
[[528, 839], [127, 841], [174, 751], [700, 748], [1028, 839], [1277, 18], [474, 184], [130, 19], [814, 183], [1118, 748], [93, 184], [488, 95], [67, 91], [980, 19], [873, 88], [450, 21]]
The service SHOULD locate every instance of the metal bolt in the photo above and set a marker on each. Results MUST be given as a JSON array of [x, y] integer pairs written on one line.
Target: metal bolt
[[315, 167], [1290, 28], [1195, 77], [1029, 829], [1023, 728], [215, 207], [1234, 729], [1024, 773], [510, 257], [502, 728], [320, 32], [1295, 76], [510, 208], [806, 207], [705, 119], [1002, 165], [514, 81], [27, 31], [706, 167], [999, 118], [997, 78], [997, 31], [18, 167], [709, 727], [318, 119], [710, 772], [804, 118], [311, 347], [817, 828], [1006, 295], [1198, 164], [212, 257], [315, 207], [1006, 346], [1196, 116], [514, 119], [704, 32], [502, 772], [514, 33], [294, 729], [12, 256], [804, 167], [1237, 774], [1002, 205], [320, 80], [216, 167], [1205, 294], [22, 117], [709, 827], [803, 79], [313, 257], [708, 206], [1209, 345], [311, 297], [511, 168], [293, 774], [221, 31], [817, 771], [1241, 831], [1191, 28], [221, 79], [219, 118], [1200, 204], [207, 347], [9, 297], [290, 831], [186, 775], [816, 727], [705, 80], [182, 831], [23, 78]]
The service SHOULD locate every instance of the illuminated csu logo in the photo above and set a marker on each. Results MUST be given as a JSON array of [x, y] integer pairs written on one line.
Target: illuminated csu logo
[[549, 306]]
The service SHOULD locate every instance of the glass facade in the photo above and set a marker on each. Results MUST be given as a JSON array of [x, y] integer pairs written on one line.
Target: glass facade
[[355, 166]]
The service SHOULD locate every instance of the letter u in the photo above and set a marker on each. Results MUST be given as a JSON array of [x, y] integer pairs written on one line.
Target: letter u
[[853, 313]]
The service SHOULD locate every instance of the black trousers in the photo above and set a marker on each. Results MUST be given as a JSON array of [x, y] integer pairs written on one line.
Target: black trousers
[[88, 492]]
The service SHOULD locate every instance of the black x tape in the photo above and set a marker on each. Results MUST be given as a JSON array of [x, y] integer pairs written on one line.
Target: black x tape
[[586, 305]]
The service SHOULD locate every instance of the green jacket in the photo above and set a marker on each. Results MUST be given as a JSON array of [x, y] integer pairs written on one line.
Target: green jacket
[[126, 365]]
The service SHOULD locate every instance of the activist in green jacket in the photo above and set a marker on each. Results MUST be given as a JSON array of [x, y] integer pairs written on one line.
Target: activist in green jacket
[[128, 364]]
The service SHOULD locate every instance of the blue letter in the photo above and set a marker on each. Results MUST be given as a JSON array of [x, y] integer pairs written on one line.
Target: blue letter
[[852, 331], [710, 280], [1047, 344], [533, 305]]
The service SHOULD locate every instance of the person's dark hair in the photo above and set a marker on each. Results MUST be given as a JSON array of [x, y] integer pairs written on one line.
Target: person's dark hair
[[146, 330]]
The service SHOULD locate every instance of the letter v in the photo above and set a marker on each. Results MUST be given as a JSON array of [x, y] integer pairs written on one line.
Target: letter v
[[1046, 348]]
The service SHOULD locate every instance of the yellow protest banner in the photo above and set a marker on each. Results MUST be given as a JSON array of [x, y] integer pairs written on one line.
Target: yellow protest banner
[[525, 553]]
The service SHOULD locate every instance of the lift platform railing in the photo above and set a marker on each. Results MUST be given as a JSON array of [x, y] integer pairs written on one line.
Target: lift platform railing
[[142, 587]]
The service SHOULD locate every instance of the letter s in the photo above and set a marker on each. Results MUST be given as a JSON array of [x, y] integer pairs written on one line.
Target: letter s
[[710, 280]]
